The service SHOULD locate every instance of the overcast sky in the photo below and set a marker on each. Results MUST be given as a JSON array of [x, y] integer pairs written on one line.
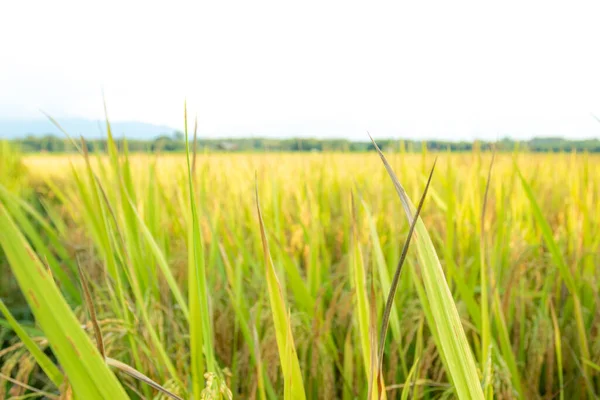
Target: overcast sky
[[444, 69]]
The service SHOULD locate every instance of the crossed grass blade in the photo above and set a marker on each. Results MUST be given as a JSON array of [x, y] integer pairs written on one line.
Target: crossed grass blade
[[396, 279], [456, 353]]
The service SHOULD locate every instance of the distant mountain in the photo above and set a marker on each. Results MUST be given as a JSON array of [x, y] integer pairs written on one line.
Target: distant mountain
[[19, 128]]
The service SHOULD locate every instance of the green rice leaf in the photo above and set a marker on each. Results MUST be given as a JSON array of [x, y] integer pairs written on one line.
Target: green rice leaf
[[285, 341], [459, 360], [90, 377]]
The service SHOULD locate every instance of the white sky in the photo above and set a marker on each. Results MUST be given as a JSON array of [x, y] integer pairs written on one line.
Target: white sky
[[447, 69]]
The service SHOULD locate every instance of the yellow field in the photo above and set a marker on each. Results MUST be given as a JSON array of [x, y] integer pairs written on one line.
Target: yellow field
[[524, 282]]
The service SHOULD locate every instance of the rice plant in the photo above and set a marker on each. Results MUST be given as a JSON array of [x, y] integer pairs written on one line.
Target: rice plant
[[299, 276]]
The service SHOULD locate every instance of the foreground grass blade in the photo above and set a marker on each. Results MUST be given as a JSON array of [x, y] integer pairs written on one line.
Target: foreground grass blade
[[90, 377], [281, 319], [200, 319], [22, 213], [42, 359], [394, 286], [458, 357]]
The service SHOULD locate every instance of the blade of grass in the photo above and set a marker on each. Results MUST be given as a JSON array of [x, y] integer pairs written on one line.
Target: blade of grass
[[89, 376], [19, 210], [198, 288], [92, 310], [348, 371], [280, 316], [486, 335], [409, 380], [112, 238], [460, 363], [100, 343], [358, 283], [161, 261], [566, 274], [394, 286], [591, 364], [42, 359], [36, 392], [558, 350], [140, 377]]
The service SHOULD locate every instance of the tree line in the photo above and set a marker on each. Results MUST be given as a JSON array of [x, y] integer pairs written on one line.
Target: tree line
[[176, 143]]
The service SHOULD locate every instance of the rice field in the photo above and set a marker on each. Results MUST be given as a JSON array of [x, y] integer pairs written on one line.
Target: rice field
[[266, 276]]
